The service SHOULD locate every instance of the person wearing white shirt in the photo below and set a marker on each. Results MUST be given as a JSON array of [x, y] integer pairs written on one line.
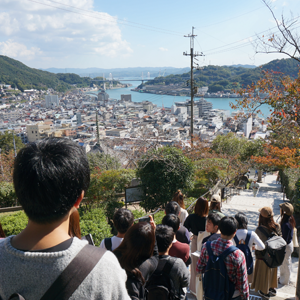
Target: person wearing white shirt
[[255, 187], [123, 219], [255, 243]]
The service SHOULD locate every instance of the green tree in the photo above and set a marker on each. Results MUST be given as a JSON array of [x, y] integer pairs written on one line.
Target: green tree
[[162, 173], [103, 161], [252, 148], [105, 187], [7, 143], [228, 144], [208, 172], [213, 88]]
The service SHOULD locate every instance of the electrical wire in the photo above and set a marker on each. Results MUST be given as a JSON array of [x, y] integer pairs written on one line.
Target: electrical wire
[[232, 17], [151, 28], [236, 47], [267, 30], [117, 19]]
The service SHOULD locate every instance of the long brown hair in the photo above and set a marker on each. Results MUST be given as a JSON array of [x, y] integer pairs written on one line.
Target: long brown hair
[[136, 247], [267, 222], [285, 219], [201, 207], [74, 226], [2, 234], [178, 197]]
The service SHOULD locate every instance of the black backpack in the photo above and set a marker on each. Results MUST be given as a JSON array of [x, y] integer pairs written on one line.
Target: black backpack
[[135, 288], [246, 250], [216, 283], [108, 243], [275, 249], [160, 286]]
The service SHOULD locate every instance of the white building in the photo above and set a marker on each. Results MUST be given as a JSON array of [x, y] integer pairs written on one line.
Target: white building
[[51, 101], [247, 126]]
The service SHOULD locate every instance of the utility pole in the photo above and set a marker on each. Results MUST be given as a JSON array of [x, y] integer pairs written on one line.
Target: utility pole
[[97, 128], [192, 55]]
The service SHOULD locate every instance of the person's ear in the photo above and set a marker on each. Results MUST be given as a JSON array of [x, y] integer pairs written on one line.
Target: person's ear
[[79, 199]]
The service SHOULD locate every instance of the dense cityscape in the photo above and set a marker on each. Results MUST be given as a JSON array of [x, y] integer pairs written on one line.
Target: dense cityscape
[[149, 152], [34, 115]]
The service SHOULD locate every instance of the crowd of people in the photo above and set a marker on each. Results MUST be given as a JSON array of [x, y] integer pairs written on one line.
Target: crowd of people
[[201, 253]]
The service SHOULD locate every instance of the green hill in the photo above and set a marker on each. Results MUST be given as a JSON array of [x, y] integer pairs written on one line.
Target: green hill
[[229, 77], [19, 75]]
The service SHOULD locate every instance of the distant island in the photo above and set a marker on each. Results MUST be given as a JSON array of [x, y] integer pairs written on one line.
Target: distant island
[[218, 79], [224, 79]]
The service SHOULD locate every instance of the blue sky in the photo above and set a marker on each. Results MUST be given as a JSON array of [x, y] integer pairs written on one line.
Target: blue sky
[[119, 34]]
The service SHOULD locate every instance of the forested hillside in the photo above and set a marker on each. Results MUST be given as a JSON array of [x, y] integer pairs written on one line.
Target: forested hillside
[[229, 77], [19, 75]]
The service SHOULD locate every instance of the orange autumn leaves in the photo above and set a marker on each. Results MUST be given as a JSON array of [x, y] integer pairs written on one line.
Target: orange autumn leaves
[[280, 158]]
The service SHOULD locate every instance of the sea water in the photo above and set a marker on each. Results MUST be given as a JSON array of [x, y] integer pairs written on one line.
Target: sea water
[[168, 101]]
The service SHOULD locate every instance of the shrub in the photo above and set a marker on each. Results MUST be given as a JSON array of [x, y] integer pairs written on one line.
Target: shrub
[[105, 187], [7, 194], [159, 216], [138, 213], [290, 179], [95, 223], [14, 223]]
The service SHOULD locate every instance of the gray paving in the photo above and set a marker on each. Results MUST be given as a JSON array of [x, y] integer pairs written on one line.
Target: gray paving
[[269, 195]]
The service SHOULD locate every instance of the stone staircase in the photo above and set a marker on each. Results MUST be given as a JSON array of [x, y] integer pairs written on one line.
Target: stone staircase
[[269, 194]]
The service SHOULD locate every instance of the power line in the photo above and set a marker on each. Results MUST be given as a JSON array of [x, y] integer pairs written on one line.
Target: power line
[[248, 42], [236, 47], [117, 19], [232, 18], [151, 28]]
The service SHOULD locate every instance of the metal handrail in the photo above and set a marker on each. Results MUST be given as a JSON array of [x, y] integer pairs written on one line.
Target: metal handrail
[[205, 194]]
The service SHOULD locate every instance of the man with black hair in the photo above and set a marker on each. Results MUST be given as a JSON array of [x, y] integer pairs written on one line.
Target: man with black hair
[[123, 220], [178, 272], [182, 234], [212, 226], [50, 179], [178, 249], [235, 262]]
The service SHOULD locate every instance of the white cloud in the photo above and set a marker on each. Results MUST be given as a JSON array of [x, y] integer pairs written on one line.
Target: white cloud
[[163, 49], [49, 32], [14, 49]]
